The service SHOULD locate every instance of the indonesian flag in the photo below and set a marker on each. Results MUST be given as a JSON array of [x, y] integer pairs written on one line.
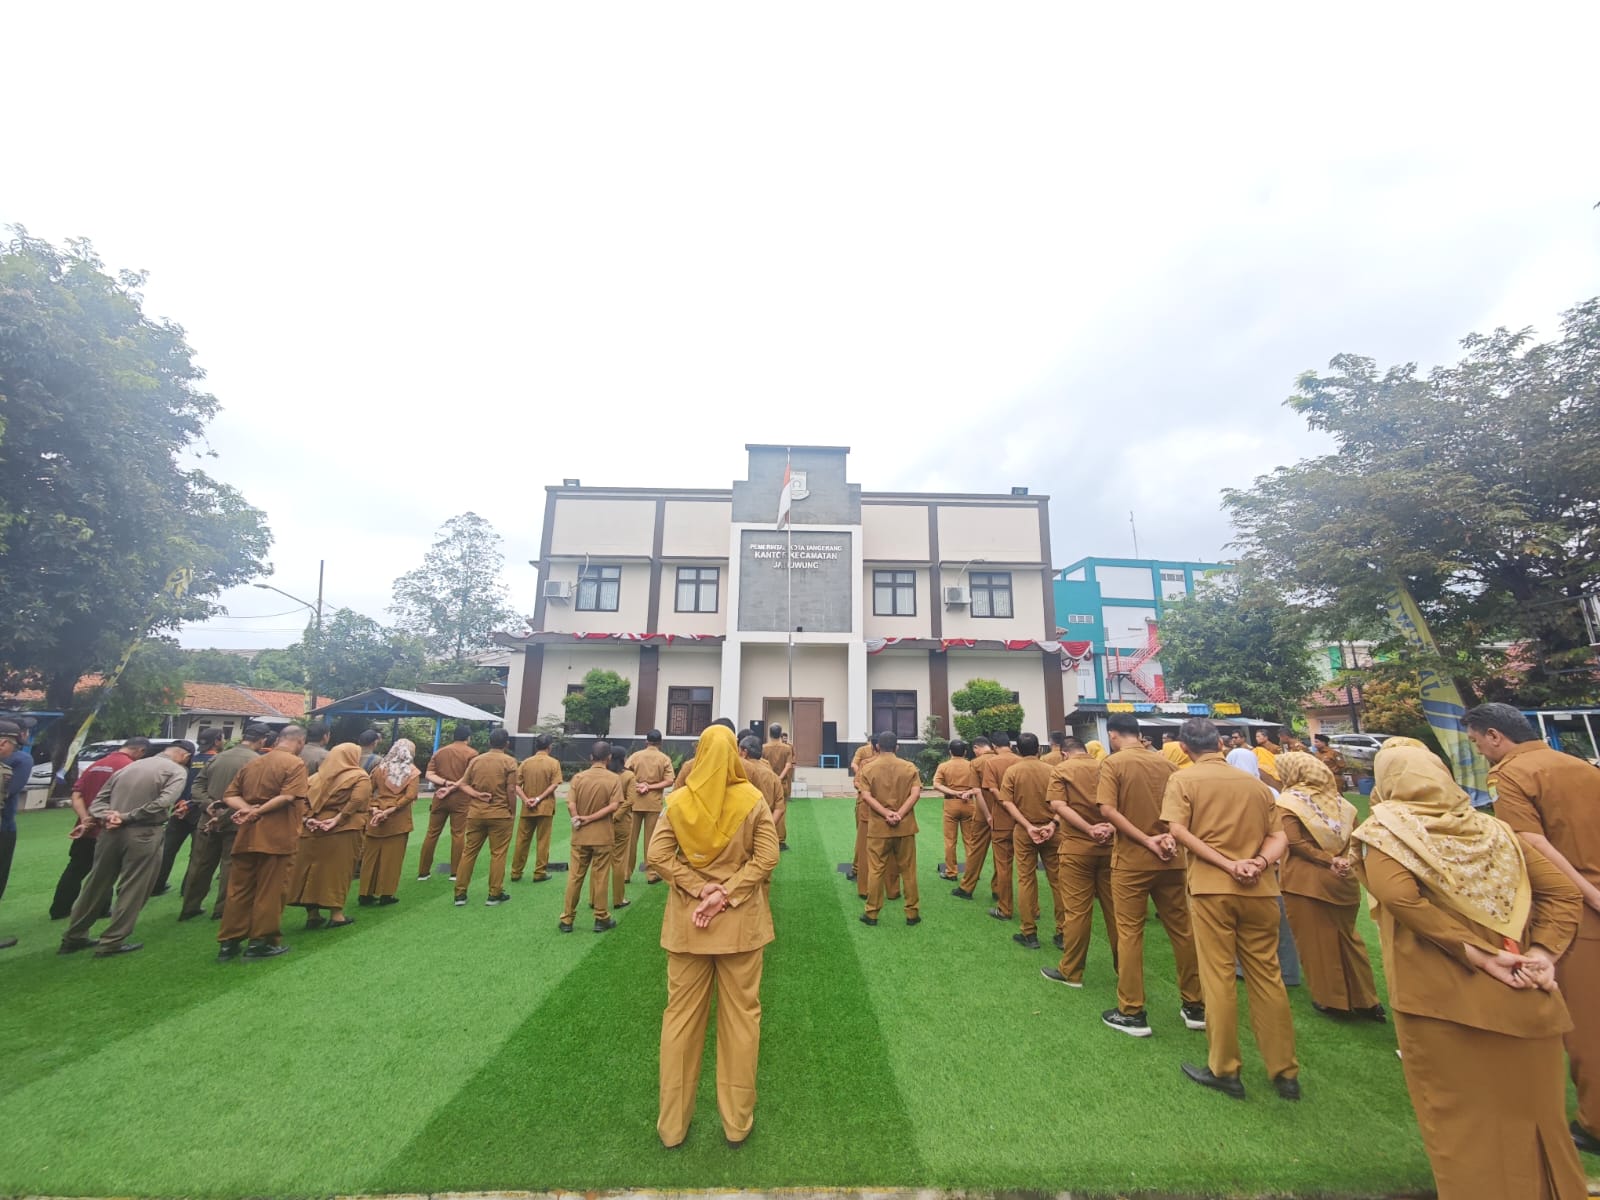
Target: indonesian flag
[[785, 498]]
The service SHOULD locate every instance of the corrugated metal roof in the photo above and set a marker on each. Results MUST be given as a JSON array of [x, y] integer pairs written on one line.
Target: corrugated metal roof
[[424, 702]]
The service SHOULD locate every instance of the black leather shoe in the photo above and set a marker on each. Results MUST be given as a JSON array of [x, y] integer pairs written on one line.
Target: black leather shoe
[[119, 948], [913, 920], [783, 845], [1055, 976], [960, 895], [189, 916], [998, 915], [866, 920], [1583, 1139], [1228, 1085], [622, 904], [1059, 942], [228, 951], [384, 900], [564, 926], [7, 942], [1288, 1089], [73, 945], [367, 901], [602, 926], [162, 890], [1028, 941], [266, 949], [1376, 1013]]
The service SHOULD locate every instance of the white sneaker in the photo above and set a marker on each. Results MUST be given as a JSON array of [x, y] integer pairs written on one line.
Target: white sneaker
[[452, 879], [461, 901], [424, 878]]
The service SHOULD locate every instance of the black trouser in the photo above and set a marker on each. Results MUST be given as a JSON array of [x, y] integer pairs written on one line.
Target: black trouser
[[172, 839], [80, 861], [8, 849]]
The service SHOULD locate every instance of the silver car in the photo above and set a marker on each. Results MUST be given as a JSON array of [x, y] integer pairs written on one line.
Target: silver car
[[1359, 748]]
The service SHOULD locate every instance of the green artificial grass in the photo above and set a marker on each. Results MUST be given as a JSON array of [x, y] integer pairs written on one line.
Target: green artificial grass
[[432, 1048]]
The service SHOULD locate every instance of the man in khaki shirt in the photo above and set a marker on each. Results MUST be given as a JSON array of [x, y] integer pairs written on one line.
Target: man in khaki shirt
[[956, 779], [1146, 864], [652, 776], [445, 769], [890, 788], [1036, 835], [594, 796], [858, 862], [978, 849], [1231, 826], [756, 770], [537, 780], [992, 769], [1552, 800], [779, 755], [1085, 861], [490, 784], [1055, 755], [268, 798]]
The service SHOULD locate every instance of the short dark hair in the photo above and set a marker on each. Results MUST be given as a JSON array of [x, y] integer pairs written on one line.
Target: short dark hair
[[1028, 745], [775, 730], [140, 744], [750, 746], [980, 740], [499, 739], [619, 760], [1503, 719], [463, 732], [1058, 738], [726, 723], [600, 751], [543, 742], [1123, 723], [269, 739], [316, 731], [254, 733], [368, 737], [1323, 738], [1199, 734], [653, 737], [1072, 745], [886, 743], [209, 737], [957, 748]]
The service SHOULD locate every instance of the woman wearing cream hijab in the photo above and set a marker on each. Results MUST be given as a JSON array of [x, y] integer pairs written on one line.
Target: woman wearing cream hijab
[[324, 867], [1471, 923], [716, 846], [1320, 891]]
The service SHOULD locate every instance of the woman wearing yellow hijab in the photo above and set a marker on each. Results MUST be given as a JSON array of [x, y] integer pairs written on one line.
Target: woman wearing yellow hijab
[[1472, 923], [1096, 749], [716, 846], [330, 836], [1320, 891]]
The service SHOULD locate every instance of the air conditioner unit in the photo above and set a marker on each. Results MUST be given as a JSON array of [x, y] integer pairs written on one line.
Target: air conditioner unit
[[956, 596], [556, 589]]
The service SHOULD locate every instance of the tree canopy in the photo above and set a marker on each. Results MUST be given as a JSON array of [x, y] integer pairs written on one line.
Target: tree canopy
[[589, 710], [984, 707], [1477, 485], [101, 410], [455, 599]]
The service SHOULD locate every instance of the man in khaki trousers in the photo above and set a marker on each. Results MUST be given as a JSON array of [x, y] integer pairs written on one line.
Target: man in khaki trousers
[[595, 796], [890, 788], [652, 776], [716, 846]]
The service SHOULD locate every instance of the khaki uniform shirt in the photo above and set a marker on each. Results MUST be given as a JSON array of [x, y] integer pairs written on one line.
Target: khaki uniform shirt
[[763, 776], [683, 772], [1228, 811], [1052, 758], [892, 781], [450, 764], [386, 796], [313, 757], [743, 868], [591, 791], [624, 814], [1133, 781], [1541, 790], [648, 766], [211, 785], [494, 772], [1076, 783], [536, 774], [862, 757], [958, 775], [275, 773], [1027, 785], [778, 755], [143, 791], [992, 770], [1304, 871]]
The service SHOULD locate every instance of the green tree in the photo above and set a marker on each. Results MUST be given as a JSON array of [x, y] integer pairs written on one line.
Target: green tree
[[984, 707], [279, 670], [1237, 640], [101, 408], [150, 689], [935, 746], [455, 600], [1477, 485], [589, 710], [354, 654], [216, 666], [1391, 702]]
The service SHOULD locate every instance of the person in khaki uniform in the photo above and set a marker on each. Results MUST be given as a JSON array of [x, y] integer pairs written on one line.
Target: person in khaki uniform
[[1085, 862], [395, 781], [537, 780], [716, 846], [621, 828], [490, 783], [594, 796], [1056, 754], [756, 770], [1025, 795], [211, 849], [268, 798], [1320, 891], [978, 848], [1232, 828], [779, 755], [858, 861], [652, 776], [1472, 924], [1552, 801], [956, 780], [891, 787], [445, 770], [330, 831], [1146, 864], [992, 769]]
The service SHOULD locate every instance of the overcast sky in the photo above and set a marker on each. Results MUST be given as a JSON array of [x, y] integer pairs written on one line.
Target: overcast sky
[[436, 257]]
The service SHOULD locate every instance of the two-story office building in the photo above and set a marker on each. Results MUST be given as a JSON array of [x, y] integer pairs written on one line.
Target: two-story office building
[[891, 601]]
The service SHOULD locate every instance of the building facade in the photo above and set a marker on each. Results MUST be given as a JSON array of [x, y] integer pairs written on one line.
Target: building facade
[[892, 602]]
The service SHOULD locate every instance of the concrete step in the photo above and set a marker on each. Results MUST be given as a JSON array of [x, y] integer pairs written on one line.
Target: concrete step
[[818, 781]]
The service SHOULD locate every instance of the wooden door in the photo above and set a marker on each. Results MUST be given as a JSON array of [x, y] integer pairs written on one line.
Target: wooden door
[[807, 732]]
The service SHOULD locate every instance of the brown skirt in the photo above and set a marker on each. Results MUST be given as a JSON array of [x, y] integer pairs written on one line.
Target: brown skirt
[[1333, 957], [323, 870], [1492, 1111]]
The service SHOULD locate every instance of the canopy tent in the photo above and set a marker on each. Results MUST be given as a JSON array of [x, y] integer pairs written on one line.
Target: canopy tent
[[394, 705]]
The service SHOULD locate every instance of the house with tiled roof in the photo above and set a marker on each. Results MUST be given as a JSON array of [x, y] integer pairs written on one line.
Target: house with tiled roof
[[230, 707]]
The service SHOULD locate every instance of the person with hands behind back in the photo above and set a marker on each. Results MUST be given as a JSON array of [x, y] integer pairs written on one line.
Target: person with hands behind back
[[890, 787], [595, 795], [1085, 860]]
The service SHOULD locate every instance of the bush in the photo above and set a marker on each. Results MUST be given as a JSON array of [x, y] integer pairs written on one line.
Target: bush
[[935, 747], [589, 710]]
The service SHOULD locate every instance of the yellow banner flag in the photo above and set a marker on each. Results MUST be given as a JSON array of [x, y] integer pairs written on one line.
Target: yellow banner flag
[[1441, 700]]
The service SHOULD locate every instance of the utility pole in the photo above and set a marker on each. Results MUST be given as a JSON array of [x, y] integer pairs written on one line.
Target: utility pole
[[315, 659], [1135, 529]]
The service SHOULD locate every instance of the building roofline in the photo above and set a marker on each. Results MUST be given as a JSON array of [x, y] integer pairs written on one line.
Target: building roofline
[[779, 446]]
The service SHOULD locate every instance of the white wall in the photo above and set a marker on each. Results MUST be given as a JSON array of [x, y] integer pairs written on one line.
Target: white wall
[[633, 600], [672, 621], [1125, 627], [695, 529], [997, 533], [901, 671], [818, 671], [515, 667], [920, 625], [1125, 583], [1019, 671], [1027, 605], [565, 665], [894, 531], [688, 667], [600, 526]]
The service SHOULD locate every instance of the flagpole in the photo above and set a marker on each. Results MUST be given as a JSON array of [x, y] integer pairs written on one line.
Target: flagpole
[[788, 584]]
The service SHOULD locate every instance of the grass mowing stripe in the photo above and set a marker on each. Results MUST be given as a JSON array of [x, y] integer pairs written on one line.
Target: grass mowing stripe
[[1076, 1101], [569, 1100]]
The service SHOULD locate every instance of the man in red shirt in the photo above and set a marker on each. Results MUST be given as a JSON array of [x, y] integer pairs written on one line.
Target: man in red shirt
[[80, 853]]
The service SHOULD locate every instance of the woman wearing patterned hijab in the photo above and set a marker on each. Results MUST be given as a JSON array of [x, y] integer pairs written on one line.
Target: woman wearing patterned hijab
[[394, 791], [1472, 923], [1320, 890]]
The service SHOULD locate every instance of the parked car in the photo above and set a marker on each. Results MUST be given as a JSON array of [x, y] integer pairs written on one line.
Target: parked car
[[43, 773], [1359, 748]]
